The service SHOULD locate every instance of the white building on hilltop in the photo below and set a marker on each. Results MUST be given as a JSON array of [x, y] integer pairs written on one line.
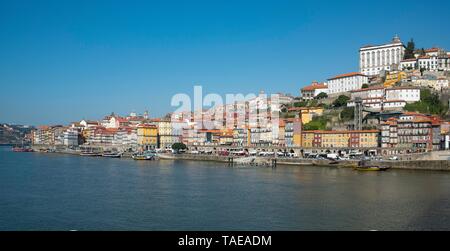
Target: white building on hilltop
[[346, 82], [374, 59]]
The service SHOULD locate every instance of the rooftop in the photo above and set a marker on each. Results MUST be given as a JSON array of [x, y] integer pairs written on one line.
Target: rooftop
[[315, 86], [347, 75]]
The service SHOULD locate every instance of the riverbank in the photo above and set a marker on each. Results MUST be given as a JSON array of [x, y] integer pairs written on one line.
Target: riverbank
[[433, 165]]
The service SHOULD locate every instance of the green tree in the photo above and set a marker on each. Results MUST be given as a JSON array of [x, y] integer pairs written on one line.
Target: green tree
[[347, 114], [317, 123], [429, 103], [179, 146], [410, 48], [364, 86], [341, 101], [301, 104], [313, 103], [422, 52], [322, 95]]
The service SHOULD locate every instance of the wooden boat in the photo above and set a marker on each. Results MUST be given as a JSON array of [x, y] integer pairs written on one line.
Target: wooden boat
[[22, 150], [143, 156], [368, 168]]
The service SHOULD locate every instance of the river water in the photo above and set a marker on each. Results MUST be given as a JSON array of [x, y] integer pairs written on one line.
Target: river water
[[40, 191]]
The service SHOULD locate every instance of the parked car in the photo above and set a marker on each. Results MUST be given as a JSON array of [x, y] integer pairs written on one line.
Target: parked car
[[253, 153], [292, 155], [224, 153], [393, 158]]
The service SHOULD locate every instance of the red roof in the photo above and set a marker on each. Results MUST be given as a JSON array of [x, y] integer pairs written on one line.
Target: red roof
[[368, 89], [121, 120], [402, 88], [342, 132], [314, 86], [347, 75], [146, 126], [432, 50]]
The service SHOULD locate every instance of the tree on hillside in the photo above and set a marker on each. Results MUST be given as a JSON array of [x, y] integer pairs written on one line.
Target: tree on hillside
[[364, 86], [322, 95], [301, 104], [422, 52], [410, 48], [341, 101], [429, 103], [347, 114], [317, 123]]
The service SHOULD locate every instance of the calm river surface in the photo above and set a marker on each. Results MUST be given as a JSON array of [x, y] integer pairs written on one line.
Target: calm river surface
[[41, 191]]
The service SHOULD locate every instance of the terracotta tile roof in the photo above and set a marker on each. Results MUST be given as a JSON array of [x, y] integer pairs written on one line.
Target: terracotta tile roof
[[146, 126], [352, 74], [343, 132], [315, 86], [402, 88], [121, 120], [368, 89], [432, 50]]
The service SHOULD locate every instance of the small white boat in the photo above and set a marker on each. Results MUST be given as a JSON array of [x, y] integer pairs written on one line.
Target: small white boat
[[112, 155]]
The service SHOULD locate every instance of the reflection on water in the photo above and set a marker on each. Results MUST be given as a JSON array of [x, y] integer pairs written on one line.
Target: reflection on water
[[63, 192]]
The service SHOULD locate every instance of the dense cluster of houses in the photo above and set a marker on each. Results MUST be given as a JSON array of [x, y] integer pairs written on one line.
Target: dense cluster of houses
[[405, 131], [392, 83]]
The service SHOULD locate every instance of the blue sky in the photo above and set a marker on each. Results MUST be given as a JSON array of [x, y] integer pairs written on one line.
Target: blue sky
[[62, 61]]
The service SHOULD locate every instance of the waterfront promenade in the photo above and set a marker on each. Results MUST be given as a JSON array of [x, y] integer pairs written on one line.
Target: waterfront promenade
[[437, 161]]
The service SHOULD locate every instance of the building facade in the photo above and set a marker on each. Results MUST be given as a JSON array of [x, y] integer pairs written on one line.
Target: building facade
[[311, 91], [346, 82], [375, 59], [147, 136]]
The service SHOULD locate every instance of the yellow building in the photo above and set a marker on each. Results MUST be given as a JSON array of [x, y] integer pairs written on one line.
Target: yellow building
[[147, 136], [225, 137], [393, 77], [368, 138], [307, 113], [307, 139], [165, 137], [335, 139], [281, 141], [340, 139]]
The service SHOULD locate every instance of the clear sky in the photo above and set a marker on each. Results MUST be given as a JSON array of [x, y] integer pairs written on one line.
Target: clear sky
[[63, 61]]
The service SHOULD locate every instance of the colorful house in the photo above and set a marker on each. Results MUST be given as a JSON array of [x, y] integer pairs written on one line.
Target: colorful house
[[147, 136]]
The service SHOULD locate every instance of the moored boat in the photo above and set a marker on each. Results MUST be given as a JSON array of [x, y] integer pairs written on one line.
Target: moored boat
[[112, 154], [22, 149], [368, 168], [90, 154], [143, 156]]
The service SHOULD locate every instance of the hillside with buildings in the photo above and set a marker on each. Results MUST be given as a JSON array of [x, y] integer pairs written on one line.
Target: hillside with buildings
[[398, 102], [14, 134]]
